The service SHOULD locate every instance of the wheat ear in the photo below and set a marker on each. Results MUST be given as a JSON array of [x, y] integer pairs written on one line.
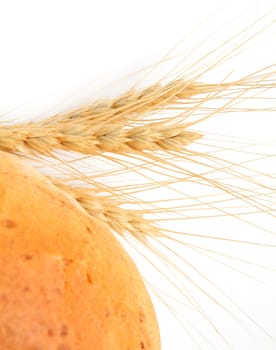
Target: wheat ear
[[114, 126], [110, 212], [98, 127]]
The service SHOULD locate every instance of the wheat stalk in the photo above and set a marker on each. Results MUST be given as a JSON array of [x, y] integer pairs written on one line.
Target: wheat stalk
[[109, 207], [99, 127], [113, 126], [78, 136], [111, 212]]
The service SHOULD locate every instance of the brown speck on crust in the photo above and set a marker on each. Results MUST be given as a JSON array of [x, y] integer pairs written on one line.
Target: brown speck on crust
[[26, 289], [63, 330], [51, 333], [107, 314], [8, 223], [28, 257], [88, 229], [142, 345], [62, 203], [141, 317], [3, 297], [58, 291], [68, 261], [89, 279]]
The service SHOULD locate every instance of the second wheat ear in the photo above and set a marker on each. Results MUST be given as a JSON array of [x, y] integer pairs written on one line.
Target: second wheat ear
[[152, 132]]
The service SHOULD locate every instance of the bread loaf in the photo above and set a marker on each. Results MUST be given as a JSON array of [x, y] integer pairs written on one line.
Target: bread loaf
[[65, 281]]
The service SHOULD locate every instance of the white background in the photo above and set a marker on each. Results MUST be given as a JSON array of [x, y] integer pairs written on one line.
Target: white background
[[55, 54]]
